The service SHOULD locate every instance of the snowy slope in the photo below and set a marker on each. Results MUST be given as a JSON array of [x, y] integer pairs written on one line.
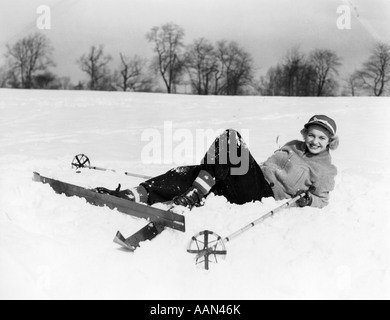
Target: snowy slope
[[57, 247]]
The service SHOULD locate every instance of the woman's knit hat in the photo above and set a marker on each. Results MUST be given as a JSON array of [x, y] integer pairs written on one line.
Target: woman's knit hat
[[323, 121]]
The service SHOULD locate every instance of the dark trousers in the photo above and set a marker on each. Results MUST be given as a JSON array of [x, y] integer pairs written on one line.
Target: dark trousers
[[238, 176]]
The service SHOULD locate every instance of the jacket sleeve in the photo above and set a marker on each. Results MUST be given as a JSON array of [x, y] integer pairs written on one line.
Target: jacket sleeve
[[320, 201], [322, 193]]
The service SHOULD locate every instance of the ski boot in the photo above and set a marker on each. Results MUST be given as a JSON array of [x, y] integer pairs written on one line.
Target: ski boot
[[197, 193], [137, 194]]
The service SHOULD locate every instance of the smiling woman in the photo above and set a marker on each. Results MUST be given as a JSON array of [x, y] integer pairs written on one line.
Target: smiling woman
[[297, 167], [317, 140]]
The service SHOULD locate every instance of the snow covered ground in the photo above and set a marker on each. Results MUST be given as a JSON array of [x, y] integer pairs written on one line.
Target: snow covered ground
[[61, 248]]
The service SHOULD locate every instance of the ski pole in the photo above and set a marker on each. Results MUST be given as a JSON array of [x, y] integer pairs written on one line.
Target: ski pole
[[268, 215], [82, 161], [217, 245]]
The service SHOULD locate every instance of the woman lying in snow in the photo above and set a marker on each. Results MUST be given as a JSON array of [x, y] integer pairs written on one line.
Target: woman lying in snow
[[292, 169]]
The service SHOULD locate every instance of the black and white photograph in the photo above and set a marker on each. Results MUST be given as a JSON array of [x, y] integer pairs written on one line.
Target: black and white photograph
[[209, 152]]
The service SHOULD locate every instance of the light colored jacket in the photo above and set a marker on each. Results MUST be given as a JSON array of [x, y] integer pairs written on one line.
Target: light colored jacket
[[292, 169]]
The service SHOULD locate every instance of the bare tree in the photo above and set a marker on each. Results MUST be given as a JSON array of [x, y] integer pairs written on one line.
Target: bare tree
[[272, 83], [3, 77], [131, 73], [325, 63], [297, 74], [375, 74], [95, 64], [353, 84], [201, 63], [293, 76], [168, 44], [235, 68], [28, 56]]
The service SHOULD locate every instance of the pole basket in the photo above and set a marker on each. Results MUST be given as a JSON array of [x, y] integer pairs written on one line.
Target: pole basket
[[80, 161], [207, 246]]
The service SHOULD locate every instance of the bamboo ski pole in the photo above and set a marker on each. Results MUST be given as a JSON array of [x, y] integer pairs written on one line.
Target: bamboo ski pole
[[266, 216], [82, 161], [130, 174], [207, 251]]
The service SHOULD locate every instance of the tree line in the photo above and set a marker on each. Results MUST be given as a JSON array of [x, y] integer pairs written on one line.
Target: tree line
[[221, 68]]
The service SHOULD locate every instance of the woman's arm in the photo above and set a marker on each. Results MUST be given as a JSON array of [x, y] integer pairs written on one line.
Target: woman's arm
[[314, 200]]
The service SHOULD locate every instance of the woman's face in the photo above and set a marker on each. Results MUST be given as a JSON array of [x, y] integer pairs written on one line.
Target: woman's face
[[317, 139]]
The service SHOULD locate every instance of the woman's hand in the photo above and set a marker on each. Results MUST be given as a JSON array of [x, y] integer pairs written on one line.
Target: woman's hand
[[307, 200]]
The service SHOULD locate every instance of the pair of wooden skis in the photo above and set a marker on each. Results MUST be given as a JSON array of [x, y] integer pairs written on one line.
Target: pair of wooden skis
[[158, 219]]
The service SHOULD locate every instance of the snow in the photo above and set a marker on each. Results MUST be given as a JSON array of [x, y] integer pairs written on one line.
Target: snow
[[53, 247]]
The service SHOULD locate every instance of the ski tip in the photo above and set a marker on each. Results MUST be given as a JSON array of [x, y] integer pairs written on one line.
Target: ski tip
[[119, 236], [36, 177], [120, 240]]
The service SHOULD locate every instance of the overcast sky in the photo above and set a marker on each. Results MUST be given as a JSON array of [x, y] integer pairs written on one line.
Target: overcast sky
[[265, 28]]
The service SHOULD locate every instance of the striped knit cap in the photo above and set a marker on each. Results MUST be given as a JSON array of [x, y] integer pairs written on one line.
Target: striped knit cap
[[323, 121]]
